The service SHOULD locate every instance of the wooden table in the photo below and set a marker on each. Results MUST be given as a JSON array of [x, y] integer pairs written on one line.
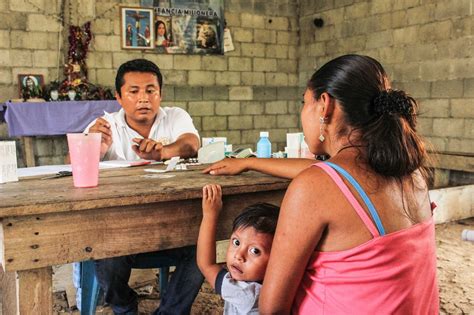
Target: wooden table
[[49, 222]]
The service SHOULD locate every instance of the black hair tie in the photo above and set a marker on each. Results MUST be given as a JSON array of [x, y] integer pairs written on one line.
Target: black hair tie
[[392, 102]]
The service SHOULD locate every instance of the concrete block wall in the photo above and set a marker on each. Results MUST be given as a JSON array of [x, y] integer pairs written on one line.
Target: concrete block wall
[[253, 88], [427, 48]]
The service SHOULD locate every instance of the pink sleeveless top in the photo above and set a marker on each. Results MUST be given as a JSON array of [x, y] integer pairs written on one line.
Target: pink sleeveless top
[[390, 274]]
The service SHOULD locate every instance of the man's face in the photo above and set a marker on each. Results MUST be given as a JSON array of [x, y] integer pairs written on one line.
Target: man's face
[[141, 97]]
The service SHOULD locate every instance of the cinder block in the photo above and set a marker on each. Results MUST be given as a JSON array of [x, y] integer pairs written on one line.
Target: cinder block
[[5, 76], [264, 36], [404, 36], [29, 40], [214, 123], [25, 6], [187, 62], [276, 79], [167, 94], [276, 107], [417, 89], [468, 87], [215, 93], [187, 93], [8, 92], [233, 136], [277, 23], [20, 58], [460, 145], [240, 93], [253, 49], [204, 108], [97, 60], [356, 11], [462, 108], [287, 121], [452, 9], [288, 93], [13, 20], [264, 64], [421, 14], [276, 51], [217, 63], [4, 38], [265, 122], [202, 78], [253, 78], [447, 89], [232, 19], [106, 77], [228, 78], [448, 127], [399, 19], [435, 31], [241, 122], [425, 126], [43, 146], [45, 58], [244, 35], [434, 108], [118, 58], [252, 21], [240, 64], [43, 23], [380, 6], [252, 108], [435, 70], [227, 108], [162, 61], [469, 130], [103, 26], [174, 77], [379, 39], [102, 43], [251, 136], [264, 93]]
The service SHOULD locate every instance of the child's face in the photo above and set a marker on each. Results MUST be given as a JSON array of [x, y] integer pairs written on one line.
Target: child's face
[[248, 253]]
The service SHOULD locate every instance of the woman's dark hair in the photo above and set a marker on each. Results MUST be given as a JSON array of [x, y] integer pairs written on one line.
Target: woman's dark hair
[[263, 217], [384, 118], [136, 65]]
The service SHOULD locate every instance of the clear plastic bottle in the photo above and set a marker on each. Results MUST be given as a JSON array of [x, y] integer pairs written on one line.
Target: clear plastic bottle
[[264, 146]]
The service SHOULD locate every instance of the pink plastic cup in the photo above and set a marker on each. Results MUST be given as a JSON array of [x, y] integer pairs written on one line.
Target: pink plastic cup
[[84, 150]]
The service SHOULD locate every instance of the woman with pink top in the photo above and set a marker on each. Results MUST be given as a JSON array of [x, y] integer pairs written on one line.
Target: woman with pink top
[[355, 234]]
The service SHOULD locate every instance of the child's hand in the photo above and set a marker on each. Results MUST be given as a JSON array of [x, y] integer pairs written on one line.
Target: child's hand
[[211, 200]]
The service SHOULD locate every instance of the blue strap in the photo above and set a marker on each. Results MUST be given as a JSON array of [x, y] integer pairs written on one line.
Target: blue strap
[[362, 194]]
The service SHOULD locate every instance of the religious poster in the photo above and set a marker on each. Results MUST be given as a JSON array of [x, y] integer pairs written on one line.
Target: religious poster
[[136, 28], [187, 26]]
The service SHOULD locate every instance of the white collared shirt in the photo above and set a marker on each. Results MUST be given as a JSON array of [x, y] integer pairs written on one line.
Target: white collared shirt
[[170, 123]]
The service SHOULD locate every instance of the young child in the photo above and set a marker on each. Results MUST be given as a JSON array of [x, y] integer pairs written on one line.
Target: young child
[[247, 254]]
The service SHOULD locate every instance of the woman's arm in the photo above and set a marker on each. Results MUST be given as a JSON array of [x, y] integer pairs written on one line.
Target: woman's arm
[[287, 168], [300, 226]]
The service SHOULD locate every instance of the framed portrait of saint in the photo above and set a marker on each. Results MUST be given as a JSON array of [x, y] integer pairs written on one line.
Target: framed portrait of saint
[[137, 28], [30, 86]]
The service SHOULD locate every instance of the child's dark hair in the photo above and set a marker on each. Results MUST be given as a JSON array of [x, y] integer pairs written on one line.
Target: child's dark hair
[[136, 65], [263, 217]]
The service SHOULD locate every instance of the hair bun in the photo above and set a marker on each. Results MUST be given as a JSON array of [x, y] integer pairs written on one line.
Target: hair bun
[[392, 102]]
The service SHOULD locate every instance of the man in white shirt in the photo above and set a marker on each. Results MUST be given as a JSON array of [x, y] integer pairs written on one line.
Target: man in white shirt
[[144, 130]]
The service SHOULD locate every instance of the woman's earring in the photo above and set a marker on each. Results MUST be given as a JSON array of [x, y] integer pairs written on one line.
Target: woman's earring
[[322, 121]]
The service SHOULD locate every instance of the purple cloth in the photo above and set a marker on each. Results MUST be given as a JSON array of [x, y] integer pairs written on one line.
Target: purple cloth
[[54, 118]]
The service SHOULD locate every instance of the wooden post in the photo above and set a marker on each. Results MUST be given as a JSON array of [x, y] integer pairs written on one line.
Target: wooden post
[[8, 284], [27, 292], [35, 291], [28, 151]]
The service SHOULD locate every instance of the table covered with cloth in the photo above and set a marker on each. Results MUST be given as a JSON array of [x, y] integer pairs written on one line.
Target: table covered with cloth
[[54, 118]]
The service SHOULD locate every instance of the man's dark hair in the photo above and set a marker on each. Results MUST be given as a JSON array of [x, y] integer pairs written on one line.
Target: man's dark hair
[[263, 217], [136, 65]]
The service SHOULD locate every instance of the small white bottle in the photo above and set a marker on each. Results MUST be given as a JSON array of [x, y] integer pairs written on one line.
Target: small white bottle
[[264, 146]]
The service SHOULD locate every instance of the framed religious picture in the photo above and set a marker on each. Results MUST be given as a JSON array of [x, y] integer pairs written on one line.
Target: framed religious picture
[[188, 26], [30, 86], [137, 28]]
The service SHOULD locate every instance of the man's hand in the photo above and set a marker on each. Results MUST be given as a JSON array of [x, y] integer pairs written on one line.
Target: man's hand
[[102, 126], [228, 166], [148, 149], [211, 201]]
